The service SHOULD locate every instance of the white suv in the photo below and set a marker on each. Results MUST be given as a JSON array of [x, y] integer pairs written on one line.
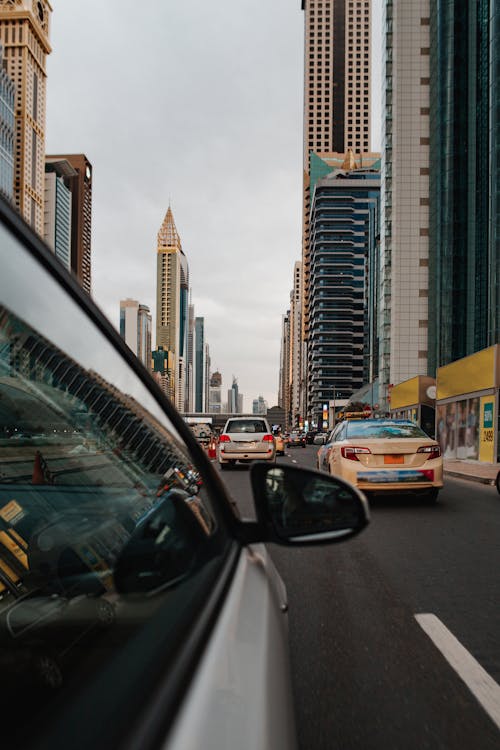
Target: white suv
[[246, 439]]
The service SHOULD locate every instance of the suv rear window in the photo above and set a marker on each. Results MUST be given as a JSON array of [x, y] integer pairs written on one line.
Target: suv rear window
[[246, 425]]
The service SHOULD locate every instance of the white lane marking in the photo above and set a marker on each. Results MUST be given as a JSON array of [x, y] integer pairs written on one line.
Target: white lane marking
[[294, 461], [479, 682]]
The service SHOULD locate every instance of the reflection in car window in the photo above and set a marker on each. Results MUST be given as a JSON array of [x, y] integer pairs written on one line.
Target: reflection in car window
[[103, 519], [384, 429]]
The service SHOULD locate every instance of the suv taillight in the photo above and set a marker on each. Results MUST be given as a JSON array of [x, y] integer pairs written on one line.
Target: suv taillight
[[268, 439], [433, 451], [224, 439], [351, 451]]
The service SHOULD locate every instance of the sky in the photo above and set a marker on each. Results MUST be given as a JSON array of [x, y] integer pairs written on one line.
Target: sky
[[198, 105]]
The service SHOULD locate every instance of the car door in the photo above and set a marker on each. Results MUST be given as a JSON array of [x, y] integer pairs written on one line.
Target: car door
[[129, 614], [337, 435]]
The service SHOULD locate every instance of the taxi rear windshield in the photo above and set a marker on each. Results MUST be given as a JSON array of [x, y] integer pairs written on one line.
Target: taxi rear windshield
[[382, 429]]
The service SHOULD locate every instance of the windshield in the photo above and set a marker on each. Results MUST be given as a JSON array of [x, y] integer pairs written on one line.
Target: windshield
[[384, 429]]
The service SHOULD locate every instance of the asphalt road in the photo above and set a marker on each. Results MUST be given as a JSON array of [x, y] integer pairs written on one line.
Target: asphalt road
[[366, 674]]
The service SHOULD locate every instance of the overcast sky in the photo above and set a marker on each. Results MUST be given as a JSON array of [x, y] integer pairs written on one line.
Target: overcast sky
[[198, 104]]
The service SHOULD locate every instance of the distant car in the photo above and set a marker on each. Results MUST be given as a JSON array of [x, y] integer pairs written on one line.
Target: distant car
[[246, 439], [310, 435], [296, 440], [320, 438], [386, 455], [280, 444]]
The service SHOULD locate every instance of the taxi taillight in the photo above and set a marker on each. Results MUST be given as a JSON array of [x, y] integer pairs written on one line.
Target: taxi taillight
[[433, 451], [351, 451]]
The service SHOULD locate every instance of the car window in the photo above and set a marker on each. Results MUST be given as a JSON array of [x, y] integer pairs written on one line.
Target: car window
[[384, 429], [338, 433], [105, 520], [246, 425]]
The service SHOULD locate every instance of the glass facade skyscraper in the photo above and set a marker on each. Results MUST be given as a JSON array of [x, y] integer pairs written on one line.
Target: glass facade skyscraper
[[199, 365], [464, 179]]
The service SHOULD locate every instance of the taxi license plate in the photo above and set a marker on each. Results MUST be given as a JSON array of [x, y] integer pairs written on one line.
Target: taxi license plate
[[394, 459]]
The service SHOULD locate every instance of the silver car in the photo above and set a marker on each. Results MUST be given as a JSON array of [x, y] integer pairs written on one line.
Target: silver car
[[171, 626], [246, 439]]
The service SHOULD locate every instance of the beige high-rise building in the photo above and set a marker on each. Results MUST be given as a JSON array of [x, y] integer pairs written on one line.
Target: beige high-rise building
[[337, 76], [337, 101], [171, 300], [404, 262], [24, 33]]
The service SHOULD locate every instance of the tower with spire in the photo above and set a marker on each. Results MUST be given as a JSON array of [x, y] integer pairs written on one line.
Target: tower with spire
[[172, 284]]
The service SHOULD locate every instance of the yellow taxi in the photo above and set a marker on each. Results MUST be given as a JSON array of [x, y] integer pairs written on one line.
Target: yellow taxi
[[386, 455], [280, 444]]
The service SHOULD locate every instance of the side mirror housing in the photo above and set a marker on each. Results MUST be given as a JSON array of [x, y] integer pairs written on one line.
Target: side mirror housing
[[302, 507]]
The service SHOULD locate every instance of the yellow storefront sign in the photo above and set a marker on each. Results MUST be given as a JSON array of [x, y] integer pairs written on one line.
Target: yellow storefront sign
[[487, 428], [470, 374]]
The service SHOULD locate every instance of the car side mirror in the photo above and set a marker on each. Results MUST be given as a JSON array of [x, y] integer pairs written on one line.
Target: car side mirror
[[299, 506]]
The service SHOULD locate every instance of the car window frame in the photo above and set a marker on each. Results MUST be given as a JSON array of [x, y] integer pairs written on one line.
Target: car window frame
[[164, 693]]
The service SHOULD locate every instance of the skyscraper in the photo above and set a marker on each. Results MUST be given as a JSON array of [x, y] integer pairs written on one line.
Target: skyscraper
[[135, 328], [172, 283], [80, 184], [464, 221], [7, 129], [344, 231], [190, 360], [57, 209], [24, 33], [337, 75], [199, 365], [215, 393], [405, 194]]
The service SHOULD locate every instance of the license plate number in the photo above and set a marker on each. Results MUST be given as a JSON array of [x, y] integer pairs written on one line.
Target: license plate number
[[394, 459]]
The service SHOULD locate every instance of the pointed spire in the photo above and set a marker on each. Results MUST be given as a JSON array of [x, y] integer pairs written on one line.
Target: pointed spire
[[168, 235], [349, 161]]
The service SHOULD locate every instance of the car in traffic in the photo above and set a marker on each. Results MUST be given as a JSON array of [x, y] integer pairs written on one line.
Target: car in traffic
[[310, 435], [150, 610], [279, 441], [320, 438], [246, 439], [386, 455], [296, 440]]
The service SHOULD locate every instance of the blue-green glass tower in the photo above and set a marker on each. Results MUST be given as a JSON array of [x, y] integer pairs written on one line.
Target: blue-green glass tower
[[464, 314]]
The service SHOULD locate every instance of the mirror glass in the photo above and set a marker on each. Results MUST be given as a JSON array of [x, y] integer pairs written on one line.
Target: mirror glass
[[306, 504]]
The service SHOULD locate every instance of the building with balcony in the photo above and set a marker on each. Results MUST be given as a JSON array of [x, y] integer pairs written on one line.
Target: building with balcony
[[344, 273], [337, 109]]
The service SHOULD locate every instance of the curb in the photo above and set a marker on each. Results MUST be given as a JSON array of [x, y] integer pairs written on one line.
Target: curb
[[470, 477]]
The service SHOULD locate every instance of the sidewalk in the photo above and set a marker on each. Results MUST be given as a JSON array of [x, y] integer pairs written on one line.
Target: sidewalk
[[475, 471]]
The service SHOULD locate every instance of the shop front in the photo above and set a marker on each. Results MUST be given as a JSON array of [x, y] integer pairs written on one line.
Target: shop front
[[414, 399], [467, 418]]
